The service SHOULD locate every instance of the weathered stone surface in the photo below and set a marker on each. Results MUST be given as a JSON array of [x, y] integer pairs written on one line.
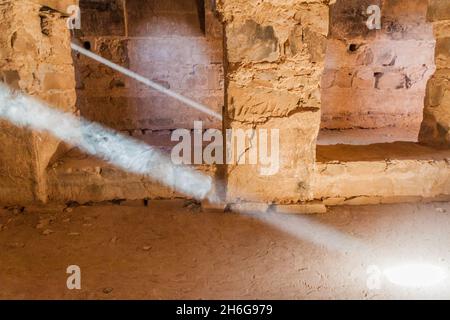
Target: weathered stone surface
[[398, 178], [251, 42], [102, 18], [308, 208], [275, 62], [398, 170], [296, 155], [162, 46], [80, 178], [276, 52], [377, 78], [163, 18], [443, 52], [211, 207], [36, 59], [249, 207], [60, 5], [438, 10], [348, 19], [269, 102], [435, 128]]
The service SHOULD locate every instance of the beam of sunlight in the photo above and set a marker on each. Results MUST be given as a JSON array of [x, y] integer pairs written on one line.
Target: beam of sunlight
[[299, 227], [122, 151], [305, 228], [137, 157], [147, 82]]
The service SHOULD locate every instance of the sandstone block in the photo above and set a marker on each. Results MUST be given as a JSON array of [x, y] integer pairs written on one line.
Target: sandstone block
[[250, 41], [58, 81], [438, 10]]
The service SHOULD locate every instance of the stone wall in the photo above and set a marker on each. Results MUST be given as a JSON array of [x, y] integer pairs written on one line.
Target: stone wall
[[175, 43], [275, 54], [377, 78], [436, 125], [35, 58], [275, 58], [58, 5]]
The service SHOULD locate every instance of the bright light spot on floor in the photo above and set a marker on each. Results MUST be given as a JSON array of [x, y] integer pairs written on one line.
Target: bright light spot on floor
[[415, 275]]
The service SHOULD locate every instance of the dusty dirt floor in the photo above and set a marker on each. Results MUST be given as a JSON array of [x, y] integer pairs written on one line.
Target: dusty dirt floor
[[170, 250]]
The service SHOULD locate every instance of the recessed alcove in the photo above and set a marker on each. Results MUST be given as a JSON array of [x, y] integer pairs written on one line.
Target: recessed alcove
[[374, 82]]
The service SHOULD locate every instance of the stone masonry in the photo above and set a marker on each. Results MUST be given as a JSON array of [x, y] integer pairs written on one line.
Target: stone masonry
[[436, 124], [35, 58], [174, 43], [371, 79], [275, 59], [262, 64]]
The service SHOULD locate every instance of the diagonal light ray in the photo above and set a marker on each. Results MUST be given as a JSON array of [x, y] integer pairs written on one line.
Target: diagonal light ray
[[134, 156], [122, 151], [191, 103], [307, 229]]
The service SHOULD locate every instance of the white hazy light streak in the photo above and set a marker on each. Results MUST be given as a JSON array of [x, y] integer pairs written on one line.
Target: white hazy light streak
[[137, 157], [124, 152], [147, 82], [299, 227], [304, 228]]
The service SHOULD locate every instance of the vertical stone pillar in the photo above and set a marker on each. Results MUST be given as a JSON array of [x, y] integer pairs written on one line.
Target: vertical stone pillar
[[275, 54], [435, 130], [35, 59]]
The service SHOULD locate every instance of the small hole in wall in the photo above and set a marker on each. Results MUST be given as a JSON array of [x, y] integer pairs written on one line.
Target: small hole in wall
[[377, 76], [87, 45], [353, 47]]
